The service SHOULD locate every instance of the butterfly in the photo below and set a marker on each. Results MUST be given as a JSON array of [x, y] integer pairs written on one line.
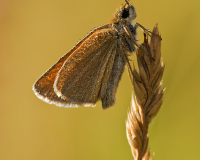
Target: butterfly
[[92, 70]]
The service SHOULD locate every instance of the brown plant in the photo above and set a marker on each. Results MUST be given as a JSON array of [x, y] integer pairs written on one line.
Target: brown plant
[[148, 94]]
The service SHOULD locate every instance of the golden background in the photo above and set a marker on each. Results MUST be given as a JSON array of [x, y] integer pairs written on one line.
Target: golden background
[[34, 34]]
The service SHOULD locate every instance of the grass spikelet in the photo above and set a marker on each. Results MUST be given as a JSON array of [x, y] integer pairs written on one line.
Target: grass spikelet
[[148, 94]]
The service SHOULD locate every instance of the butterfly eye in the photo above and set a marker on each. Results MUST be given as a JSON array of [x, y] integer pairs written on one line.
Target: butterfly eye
[[125, 13]]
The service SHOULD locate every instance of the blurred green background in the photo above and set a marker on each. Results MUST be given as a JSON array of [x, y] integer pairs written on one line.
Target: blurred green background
[[34, 34]]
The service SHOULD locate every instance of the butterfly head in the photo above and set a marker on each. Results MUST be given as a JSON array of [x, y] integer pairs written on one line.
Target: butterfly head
[[128, 12]]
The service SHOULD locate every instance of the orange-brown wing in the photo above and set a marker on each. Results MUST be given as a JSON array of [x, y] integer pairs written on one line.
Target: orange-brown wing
[[80, 78], [43, 88]]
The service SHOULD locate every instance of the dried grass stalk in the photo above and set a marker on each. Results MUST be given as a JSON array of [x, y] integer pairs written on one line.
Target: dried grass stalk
[[148, 95]]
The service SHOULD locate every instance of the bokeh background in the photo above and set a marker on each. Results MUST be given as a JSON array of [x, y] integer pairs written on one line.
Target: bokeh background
[[34, 34]]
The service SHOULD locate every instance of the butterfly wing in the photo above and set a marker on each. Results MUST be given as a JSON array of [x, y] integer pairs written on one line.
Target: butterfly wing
[[80, 78], [112, 77], [44, 89]]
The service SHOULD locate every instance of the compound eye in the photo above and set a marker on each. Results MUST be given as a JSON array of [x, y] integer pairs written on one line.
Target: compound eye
[[125, 13]]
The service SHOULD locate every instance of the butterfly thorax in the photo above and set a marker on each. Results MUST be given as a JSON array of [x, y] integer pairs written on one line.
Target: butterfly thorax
[[124, 18]]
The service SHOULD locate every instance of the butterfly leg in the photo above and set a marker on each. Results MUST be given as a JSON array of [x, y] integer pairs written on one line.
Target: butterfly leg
[[147, 31]]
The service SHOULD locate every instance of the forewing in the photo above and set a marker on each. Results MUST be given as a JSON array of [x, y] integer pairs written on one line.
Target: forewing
[[43, 88], [79, 80]]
